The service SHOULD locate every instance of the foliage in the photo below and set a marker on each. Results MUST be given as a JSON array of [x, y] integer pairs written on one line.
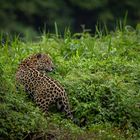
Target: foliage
[[101, 75]]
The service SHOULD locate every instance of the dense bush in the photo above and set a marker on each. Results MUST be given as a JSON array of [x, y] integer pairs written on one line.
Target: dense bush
[[101, 75]]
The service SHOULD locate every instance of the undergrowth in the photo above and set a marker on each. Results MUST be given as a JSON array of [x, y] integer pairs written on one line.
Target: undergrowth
[[101, 75]]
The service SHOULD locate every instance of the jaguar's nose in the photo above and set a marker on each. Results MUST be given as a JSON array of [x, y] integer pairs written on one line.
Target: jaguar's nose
[[51, 69]]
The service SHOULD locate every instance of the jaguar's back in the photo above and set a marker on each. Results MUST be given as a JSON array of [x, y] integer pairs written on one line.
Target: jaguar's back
[[43, 89]]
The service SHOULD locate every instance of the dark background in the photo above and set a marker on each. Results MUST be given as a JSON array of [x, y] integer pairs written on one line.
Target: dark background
[[32, 17]]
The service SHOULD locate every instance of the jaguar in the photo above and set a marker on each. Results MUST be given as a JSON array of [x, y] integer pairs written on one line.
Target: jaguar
[[32, 75]]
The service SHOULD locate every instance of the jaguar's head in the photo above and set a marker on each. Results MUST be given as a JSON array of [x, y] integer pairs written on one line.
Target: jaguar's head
[[39, 61]]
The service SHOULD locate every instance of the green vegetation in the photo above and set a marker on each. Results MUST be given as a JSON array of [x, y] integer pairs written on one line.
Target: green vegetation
[[101, 74]]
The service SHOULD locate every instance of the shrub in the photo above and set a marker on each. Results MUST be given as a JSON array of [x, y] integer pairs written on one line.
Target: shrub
[[101, 76]]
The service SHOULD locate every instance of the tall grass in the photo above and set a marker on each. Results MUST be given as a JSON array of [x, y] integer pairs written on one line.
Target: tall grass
[[100, 74]]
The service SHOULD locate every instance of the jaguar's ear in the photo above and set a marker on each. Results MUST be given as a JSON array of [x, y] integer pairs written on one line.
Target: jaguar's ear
[[38, 55]]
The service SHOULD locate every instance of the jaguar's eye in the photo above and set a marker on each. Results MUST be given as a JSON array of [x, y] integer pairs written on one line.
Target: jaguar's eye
[[38, 55]]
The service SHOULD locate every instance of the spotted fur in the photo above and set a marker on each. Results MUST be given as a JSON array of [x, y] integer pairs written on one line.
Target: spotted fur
[[42, 88]]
